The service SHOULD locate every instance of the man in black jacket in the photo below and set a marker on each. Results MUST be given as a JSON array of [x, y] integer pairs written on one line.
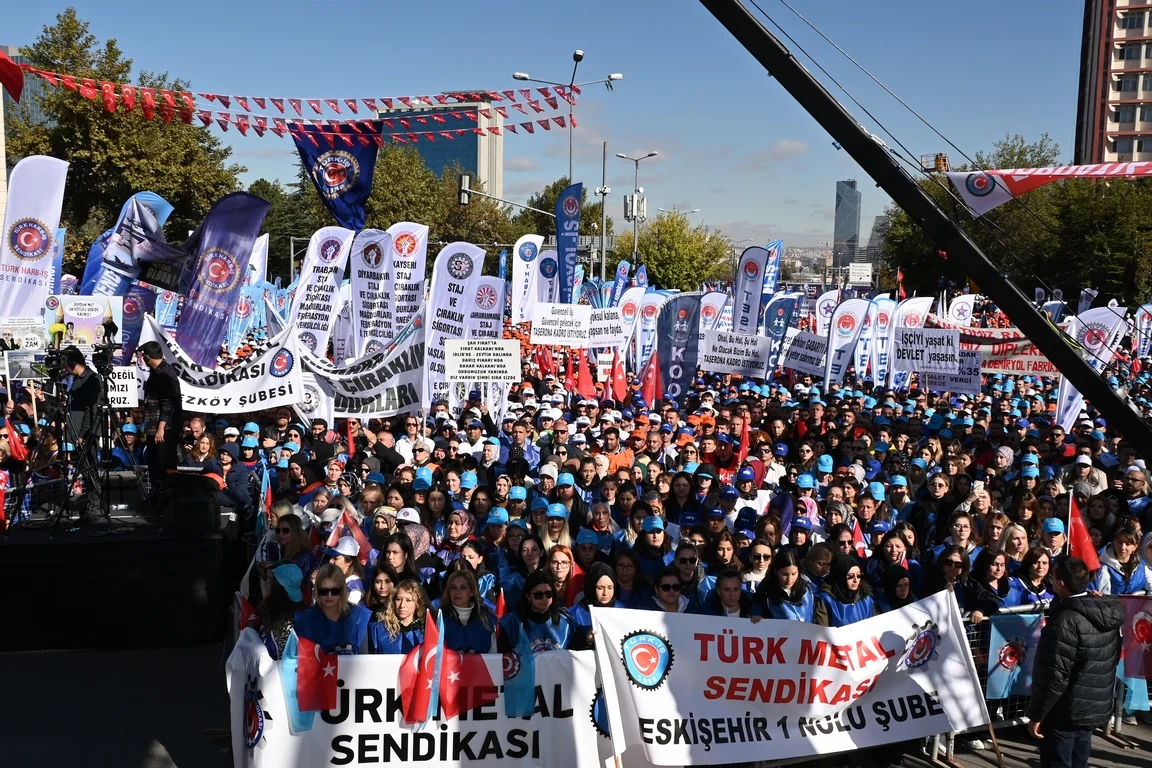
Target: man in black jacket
[[1075, 671], [163, 417]]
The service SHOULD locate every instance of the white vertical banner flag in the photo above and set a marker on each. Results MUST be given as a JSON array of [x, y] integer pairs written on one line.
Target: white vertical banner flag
[[1087, 296], [343, 330], [1069, 401], [910, 313], [1100, 330], [258, 264], [455, 277], [825, 306], [318, 290], [749, 287], [35, 199], [403, 292], [524, 271], [486, 313], [547, 278], [844, 327], [961, 309], [646, 327], [881, 326], [711, 308], [370, 281], [1143, 330], [863, 351], [629, 303]]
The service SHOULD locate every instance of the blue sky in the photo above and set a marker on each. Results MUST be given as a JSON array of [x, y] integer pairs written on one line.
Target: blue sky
[[732, 142]]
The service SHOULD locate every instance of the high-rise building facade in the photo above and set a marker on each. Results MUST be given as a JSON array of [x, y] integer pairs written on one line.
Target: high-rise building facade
[[876, 240], [482, 156], [29, 106], [846, 232], [1114, 112]]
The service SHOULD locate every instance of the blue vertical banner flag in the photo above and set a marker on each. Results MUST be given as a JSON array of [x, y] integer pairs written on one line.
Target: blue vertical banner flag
[[504, 264], [642, 276], [772, 265], [568, 238], [167, 303], [620, 283], [520, 678], [243, 318], [94, 266], [1012, 654], [777, 317], [678, 343], [227, 236], [58, 259], [138, 302], [340, 167], [578, 284], [114, 259]]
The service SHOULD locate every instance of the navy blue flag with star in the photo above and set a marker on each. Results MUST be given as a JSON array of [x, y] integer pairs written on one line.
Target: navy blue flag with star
[[341, 165]]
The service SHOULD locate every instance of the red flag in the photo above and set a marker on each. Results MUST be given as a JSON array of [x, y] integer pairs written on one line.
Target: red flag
[[1079, 539], [11, 77], [900, 284], [544, 124], [501, 609], [128, 96], [248, 616], [370, 104], [742, 453], [528, 127], [225, 100], [536, 106], [1137, 634], [16, 445], [315, 104], [417, 674], [619, 386], [569, 375], [333, 103], [316, 675], [552, 102], [584, 383], [465, 684], [278, 103], [148, 102], [259, 101], [108, 92], [242, 124], [858, 538], [243, 102], [651, 388], [88, 88], [560, 122], [357, 533]]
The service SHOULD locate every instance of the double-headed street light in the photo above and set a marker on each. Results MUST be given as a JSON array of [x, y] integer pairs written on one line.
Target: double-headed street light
[[577, 57], [636, 204]]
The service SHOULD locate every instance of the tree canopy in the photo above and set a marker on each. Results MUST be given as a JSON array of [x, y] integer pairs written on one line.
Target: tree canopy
[[113, 155], [1074, 234], [677, 254]]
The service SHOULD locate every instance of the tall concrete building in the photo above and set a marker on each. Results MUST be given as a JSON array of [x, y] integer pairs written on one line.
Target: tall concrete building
[[876, 240], [1114, 112], [29, 105], [846, 232], [482, 156]]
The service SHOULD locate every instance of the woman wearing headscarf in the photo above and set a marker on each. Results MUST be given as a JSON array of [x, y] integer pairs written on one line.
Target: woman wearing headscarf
[[458, 530], [600, 590], [282, 600], [846, 597], [895, 590], [304, 480]]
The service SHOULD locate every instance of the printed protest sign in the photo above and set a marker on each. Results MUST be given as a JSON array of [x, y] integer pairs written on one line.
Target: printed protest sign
[[806, 353], [735, 353], [483, 360], [561, 324], [928, 350]]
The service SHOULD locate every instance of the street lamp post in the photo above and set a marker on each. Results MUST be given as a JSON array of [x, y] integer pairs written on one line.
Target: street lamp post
[[577, 57], [636, 199]]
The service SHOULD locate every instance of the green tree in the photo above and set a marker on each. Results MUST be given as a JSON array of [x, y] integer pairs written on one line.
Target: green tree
[[291, 216], [677, 254], [113, 155], [532, 223], [484, 221]]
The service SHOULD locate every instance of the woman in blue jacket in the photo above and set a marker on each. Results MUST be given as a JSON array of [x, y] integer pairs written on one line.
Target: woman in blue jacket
[[784, 593], [846, 596], [468, 625], [600, 589], [542, 617], [402, 627], [333, 623], [991, 570]]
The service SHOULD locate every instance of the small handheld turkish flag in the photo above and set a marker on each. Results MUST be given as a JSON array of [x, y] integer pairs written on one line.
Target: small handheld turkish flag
[[316, 675]]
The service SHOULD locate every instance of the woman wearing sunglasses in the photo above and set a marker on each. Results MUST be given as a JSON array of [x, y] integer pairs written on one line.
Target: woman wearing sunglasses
[[846, 597], [784, 594], [952, 573], [729, 599], [542, 617], [667, 594], [333, 623], [295, 544], [695, 584]]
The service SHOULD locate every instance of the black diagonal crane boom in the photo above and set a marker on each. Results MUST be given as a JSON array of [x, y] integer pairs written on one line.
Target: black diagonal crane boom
[[880, 165]]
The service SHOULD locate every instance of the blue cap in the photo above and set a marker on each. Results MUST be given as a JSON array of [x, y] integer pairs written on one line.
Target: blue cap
[[468, 480], [652, 523], [728, 492], [715, 512], [724, 439], [493, 441], [518, 493], [587, 537], [497, 516], [746, 474], [375, 477], [898, 481], [824, 464], [558, 510], [290, 577], [1030, 470], [880, 447], [221, 423], [802, 523], [689, 518], [1096, 435], [251, 427], [780, 449], [128, 429], [291, 447], [519, 523], [879, 526], [539, 503], [1053, 525], [806, 481], [876, 491], [24, 429], [691, 467], [250, 442], [565, 478], [1030, 458], [919, 462], [871, 469], [281, 464]]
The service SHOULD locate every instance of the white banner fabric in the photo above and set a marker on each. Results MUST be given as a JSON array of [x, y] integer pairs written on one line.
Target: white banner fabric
[[524, 268], [847, 321], [370, 282], [966, 380], [486, 312], [455, 277], [483, 360], [749, 287], [565, 325], [404, 286], [806, 354], [825, 307], [735, 353], [605, 328], [683, 692], [928, 350], [318, 290], [272, 379], [35, 199]]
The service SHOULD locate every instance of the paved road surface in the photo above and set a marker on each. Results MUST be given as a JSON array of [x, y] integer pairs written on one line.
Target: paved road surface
[[167, 708]]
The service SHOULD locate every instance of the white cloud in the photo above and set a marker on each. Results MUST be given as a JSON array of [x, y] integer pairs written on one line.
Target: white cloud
[[768, 157], [519, 164]]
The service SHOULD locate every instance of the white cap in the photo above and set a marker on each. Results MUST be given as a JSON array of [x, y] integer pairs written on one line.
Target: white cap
[[408, 515]]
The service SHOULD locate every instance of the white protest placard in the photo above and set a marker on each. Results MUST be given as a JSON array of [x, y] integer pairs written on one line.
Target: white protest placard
[[561, 324], [122, 390], [736, 353], [483, 360], [25, 333], [605, 328], [966, 380], [928, 350], [806, 354]]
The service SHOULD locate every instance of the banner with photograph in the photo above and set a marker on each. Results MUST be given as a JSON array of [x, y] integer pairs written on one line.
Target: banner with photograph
[[682, 693]]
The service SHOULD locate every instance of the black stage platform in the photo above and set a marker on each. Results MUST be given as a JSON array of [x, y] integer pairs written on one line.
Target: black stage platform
[[135, 582]]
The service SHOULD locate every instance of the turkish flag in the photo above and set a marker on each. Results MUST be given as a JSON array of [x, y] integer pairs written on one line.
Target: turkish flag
[[858, 538], [619, 384], [651, 388], [1079, 539], [11, 77], [1137, 633], [584, 383], [569, 375], [316, 675], [16, 445], [357, 532], [742, 453], [248, 616], [465, 684], [418, 675]]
